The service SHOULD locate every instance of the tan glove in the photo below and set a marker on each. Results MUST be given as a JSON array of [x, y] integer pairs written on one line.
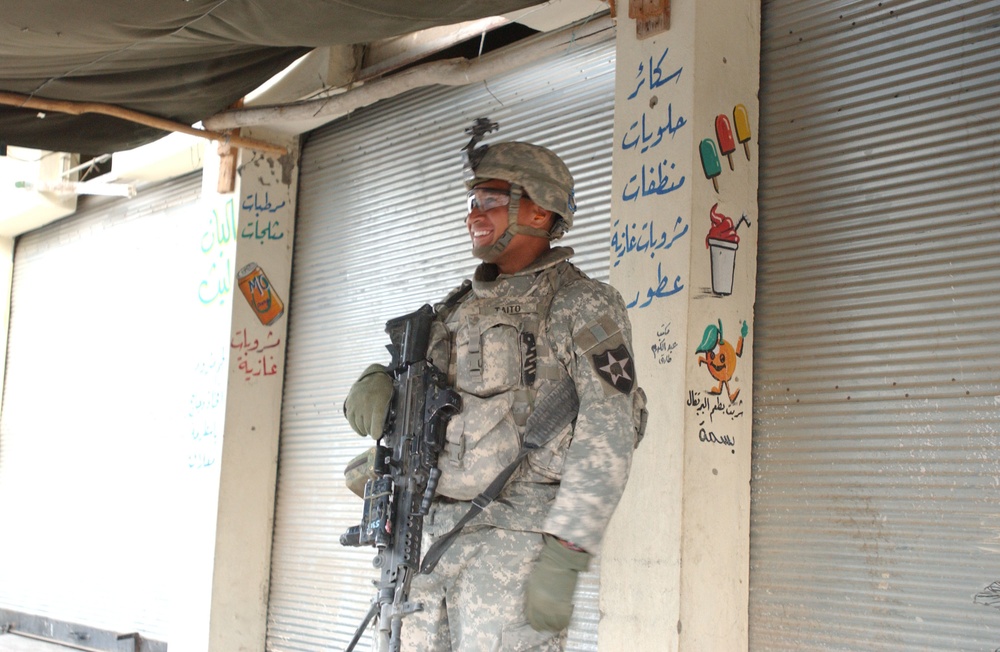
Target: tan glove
[[367, 404], [549, 594], [359, 471]]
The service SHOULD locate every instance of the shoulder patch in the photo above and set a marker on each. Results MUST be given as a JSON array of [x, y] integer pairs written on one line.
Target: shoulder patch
[[615, 368], [596, 333]]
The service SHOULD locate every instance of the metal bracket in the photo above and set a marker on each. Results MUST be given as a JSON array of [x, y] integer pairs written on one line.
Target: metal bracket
[[651, 16], [472, 155]]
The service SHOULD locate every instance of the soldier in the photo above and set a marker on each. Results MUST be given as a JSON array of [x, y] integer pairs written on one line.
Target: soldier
[[529, 321]]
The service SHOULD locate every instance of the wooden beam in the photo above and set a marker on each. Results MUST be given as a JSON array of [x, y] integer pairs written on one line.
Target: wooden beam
[[79, 108]]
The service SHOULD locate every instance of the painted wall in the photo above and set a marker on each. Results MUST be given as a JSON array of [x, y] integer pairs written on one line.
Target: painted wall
[[226, 495], [264, 231], [683, 254], [197, 488]]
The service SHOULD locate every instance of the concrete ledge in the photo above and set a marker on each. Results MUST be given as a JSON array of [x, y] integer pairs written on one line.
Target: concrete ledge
[[29, 633]]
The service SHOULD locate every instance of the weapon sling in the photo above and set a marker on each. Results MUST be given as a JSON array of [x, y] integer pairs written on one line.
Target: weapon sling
[[554, 411]]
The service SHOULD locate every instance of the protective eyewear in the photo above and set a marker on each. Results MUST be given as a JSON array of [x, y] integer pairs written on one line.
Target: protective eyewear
[[486, 199]]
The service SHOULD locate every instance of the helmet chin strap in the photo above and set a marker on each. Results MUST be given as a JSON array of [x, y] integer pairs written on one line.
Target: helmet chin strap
[[490, 253]]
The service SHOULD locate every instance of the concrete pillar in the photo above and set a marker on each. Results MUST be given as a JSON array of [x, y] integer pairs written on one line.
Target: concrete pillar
[[674, 573], [265, 218]]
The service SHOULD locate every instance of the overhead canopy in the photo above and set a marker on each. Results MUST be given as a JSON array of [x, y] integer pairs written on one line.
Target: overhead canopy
[[182, 60]]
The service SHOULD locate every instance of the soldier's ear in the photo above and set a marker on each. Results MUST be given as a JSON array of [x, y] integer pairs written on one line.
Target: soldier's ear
[[541, 218]]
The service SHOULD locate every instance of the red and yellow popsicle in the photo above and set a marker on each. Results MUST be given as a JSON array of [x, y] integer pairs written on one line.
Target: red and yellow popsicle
[[742, 121]]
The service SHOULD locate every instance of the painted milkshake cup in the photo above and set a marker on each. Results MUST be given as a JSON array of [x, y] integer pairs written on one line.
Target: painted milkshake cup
[[723, 255]]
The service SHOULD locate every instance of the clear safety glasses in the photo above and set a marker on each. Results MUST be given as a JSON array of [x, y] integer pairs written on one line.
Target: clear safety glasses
[[486, 199]]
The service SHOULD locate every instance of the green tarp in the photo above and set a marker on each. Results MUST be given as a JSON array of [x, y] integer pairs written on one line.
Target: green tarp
[[183, 60]]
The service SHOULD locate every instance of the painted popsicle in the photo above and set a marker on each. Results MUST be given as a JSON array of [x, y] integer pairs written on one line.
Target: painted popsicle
[[724, 133], [742, 121], [710, 161]]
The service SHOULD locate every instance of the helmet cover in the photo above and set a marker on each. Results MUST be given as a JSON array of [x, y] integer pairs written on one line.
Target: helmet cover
[[539, 171]]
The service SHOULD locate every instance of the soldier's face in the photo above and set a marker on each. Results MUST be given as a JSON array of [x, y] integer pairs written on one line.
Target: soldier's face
[[487, 218], [489, 206]]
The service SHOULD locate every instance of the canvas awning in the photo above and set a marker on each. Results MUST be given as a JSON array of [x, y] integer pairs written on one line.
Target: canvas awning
[[182, 60]]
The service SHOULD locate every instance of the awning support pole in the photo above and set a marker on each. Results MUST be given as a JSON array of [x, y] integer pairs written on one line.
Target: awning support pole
[[78, 108]]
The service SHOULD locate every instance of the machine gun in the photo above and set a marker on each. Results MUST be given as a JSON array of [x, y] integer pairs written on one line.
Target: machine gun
[[406, 474]]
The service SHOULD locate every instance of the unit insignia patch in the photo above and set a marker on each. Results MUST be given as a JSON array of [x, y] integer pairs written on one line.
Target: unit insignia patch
[[615, 367]]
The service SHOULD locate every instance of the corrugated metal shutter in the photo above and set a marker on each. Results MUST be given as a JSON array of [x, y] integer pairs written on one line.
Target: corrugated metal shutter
[[101, 362], [874, 520], [380, 231]]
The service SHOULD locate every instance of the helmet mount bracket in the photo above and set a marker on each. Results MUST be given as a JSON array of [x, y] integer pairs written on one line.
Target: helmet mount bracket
[[472, 155]]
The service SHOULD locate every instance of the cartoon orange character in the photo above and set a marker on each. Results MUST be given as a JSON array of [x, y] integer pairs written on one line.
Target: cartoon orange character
[[720, 357]]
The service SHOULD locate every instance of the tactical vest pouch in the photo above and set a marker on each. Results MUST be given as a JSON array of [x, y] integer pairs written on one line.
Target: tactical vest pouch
[[489, 346], [481, 441], [553, 414]]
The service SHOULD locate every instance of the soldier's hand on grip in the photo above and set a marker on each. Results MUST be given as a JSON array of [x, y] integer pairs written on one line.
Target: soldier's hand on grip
[[549, 594], [367, 403]]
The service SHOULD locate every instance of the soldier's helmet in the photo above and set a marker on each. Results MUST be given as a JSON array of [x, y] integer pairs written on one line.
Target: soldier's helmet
[[539, 171]]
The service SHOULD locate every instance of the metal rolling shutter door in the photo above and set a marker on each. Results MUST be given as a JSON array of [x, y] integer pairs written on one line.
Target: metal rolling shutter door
[[103, 344], [877, 418], [380, 231]]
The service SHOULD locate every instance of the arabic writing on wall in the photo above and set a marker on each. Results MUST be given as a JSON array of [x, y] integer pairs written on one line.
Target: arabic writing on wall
[[663, 350], [255, 347], [204, 440], [259, 229], [714, 413], [664, 287], [206, 407], [644, 238], [713, 406], [254, 356], [218, 244], [658, 173]]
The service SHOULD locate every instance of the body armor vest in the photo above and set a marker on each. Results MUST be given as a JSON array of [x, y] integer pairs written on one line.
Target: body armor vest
[[500, 359]]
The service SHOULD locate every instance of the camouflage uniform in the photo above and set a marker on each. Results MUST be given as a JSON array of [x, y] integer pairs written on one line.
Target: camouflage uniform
[[506, 344], [473, 599]]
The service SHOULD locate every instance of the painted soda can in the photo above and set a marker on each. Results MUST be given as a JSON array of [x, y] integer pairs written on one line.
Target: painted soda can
[[256, 287]]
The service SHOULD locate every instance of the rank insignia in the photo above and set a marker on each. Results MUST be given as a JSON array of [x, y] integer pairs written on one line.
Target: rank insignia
[[615, 368]]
